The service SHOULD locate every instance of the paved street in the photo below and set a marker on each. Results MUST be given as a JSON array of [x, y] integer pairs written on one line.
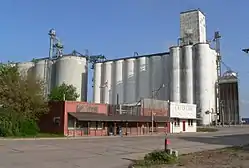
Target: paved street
[[107, 152]]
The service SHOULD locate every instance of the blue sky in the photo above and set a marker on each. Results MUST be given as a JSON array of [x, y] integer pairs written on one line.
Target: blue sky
[[117, 28]]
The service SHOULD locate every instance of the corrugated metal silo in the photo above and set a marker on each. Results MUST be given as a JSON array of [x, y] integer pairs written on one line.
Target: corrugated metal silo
[[187, 75], [144, 78], [204, 82], [97, 85], [156, 76], [107, 80], [130, 81], [72, 70], [118, 88], [25, 68], [229, 94], [166, 76], [175, 75]]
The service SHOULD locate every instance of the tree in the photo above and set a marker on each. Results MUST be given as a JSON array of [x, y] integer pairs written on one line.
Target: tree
[[21, 99], [63, 92]]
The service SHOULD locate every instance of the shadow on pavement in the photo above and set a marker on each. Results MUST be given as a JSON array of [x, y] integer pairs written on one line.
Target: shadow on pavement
[[230, 140]]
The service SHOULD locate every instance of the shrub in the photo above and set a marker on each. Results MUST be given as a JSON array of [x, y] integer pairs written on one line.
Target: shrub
[[28, 128], [157, 158]]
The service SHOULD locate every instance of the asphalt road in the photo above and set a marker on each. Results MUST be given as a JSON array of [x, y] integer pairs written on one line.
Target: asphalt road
[[108, 152]]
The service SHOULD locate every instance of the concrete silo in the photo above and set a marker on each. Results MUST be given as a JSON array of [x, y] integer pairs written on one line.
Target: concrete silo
[[187, 74], [25, 68], [144, 78], [118, 85], [130, 80], [166, 76], [175, 74], [73, 70], [156, 76], [97, 84], [108, 81], [205, 88]]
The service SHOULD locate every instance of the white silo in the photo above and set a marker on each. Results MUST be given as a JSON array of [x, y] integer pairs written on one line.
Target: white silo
[[144, 78], [175, 75], [187, 75], [107, 82], [166, 76], [204, 82], [130, 81], [97, 85], [156, 76], [118, 88], [72, 70], [25, 68]]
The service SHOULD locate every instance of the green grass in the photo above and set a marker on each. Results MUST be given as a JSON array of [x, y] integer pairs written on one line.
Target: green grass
[[39, 135], [207, 129]]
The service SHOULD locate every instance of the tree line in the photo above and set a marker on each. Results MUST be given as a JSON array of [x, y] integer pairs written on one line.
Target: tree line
[[22, 101]]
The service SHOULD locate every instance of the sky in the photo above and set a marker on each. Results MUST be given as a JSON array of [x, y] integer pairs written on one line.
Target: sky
[[118, 28]]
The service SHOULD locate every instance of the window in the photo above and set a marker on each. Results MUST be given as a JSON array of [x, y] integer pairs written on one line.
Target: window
[[161, 125], [96, 125], [177, 122], [190, 122]]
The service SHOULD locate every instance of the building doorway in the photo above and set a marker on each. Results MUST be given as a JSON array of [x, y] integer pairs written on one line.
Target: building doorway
[[183, 125]]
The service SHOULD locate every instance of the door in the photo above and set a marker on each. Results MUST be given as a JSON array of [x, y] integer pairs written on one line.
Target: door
[[183, 125]]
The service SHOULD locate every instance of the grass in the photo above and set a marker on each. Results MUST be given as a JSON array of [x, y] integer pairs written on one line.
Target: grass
[[207, 129], [39, 135]]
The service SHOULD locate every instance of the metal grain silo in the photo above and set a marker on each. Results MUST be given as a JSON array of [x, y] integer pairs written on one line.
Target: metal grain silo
[[175, 75], [166, 76], [25, 68], [204, 82], [118, 88], [97, 85], [144, 78], [43, 68], [130, 81], [72, 70], [107, 80], [156, 76], [187, 75]]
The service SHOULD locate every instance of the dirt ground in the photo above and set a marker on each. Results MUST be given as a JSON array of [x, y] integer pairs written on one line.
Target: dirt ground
[[234, 157]]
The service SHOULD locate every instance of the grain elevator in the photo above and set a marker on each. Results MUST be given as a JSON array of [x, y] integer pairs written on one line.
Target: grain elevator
[[188, 72]]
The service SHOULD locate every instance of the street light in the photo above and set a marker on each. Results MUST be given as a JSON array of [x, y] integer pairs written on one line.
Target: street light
[[154, 94]]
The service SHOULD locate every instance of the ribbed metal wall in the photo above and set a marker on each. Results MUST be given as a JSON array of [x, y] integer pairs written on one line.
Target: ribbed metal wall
[[175, 75], [229, 101]]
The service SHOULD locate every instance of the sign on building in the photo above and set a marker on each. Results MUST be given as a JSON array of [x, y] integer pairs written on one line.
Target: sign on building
[[182, 110]]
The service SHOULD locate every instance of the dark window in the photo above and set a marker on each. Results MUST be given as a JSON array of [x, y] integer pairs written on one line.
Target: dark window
[[190, 122]]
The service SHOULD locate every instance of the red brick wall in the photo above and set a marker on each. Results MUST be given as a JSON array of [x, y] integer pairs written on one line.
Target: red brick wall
[[71, 106], [46, 122]]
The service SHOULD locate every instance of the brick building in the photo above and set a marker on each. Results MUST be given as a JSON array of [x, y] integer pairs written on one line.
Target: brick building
[[73, 118]]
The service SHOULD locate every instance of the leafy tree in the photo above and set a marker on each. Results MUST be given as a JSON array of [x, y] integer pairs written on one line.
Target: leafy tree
[[63, 92], [22, 101]]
